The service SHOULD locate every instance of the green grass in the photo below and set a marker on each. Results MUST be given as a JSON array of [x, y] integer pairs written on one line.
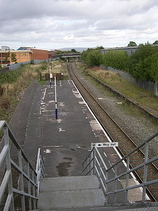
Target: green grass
[[115, 81], [42, 82], [141, 96]]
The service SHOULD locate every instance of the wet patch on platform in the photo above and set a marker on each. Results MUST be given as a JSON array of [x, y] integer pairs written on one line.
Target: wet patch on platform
[[63, 168]]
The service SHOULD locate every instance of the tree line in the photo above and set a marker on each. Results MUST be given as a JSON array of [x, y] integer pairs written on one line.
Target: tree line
[[142, 64]]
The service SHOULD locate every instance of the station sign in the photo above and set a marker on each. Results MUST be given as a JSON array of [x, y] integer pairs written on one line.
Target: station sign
[[104, 144]]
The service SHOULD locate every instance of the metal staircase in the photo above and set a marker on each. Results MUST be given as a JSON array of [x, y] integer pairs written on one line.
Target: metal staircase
[[70, 192], [19, 182], [23, 188]]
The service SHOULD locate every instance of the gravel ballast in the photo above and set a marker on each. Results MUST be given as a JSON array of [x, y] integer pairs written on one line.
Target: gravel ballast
[[135, 123]]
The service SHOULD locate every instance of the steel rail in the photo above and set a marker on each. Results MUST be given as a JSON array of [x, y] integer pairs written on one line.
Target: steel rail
[[115, 132]]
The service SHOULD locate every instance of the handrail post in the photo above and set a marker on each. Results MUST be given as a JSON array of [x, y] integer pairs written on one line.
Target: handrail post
[[34, 191], [21, 182], [91, 170], [115, 183], [127, 178], [94, 161], [26, 177], [8, 167], [29, 186], [106, 185], [145, 170]]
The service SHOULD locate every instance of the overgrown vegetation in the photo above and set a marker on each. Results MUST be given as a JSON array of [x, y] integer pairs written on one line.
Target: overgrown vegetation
[[115, 81], [12, 86], [92, 57], [116, 59], [143, 64], [66, 51]]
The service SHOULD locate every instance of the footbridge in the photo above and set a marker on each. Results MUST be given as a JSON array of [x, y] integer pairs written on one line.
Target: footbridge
[[67, 56]]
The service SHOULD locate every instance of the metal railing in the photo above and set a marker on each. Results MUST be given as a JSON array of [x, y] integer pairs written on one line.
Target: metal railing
[[116, 179], [19, 182]]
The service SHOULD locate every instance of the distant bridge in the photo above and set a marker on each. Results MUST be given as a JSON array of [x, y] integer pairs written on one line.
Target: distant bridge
[[67, 55]]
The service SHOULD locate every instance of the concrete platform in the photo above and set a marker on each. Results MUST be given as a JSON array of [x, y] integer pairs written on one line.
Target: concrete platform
[[65, 142]]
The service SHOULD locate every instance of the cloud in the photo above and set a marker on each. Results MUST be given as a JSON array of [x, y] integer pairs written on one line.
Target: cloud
[[64, 23]]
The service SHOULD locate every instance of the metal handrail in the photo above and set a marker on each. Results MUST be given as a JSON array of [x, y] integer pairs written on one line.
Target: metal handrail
[[40, 170], [19, 184], [109, 177]]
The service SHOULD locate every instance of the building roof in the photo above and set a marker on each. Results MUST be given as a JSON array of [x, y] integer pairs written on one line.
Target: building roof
[[16, 51]]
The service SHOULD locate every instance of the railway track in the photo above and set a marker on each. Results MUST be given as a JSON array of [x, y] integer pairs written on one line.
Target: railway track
[[116, 133]]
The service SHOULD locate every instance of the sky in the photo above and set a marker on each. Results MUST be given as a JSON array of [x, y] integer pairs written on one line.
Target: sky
[[56, 24]]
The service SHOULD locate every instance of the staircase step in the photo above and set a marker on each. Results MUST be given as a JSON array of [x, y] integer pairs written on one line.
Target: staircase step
[[69, 183], [71, 199], [104, 209]]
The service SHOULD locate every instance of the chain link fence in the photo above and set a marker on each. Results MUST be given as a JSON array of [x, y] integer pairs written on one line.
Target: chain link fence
[[147, 85]]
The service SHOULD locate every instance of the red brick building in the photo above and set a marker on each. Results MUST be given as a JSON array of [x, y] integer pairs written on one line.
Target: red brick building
[[38, 54]]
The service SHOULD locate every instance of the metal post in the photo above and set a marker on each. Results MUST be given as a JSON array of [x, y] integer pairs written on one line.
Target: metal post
[[21, 180], [92, 158], [50, 81], [127, 179], [56, 104], [115, 183], [34, 189], [29, 186], [8, 167], [145, 173]]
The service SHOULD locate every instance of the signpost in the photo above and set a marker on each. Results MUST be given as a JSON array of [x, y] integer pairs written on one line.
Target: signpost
[[104, 144], [51, 76], [56, 104]]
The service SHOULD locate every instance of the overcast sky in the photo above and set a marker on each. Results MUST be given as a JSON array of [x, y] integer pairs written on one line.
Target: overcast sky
[[54, 24]]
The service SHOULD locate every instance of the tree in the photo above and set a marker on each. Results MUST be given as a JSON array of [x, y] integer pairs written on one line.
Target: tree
[[156, 42], [13, 58], [92, 57], [116, 59], [154, 70], [99, 47], [6, 58], [73, 51], [132, 43], [140, 61]]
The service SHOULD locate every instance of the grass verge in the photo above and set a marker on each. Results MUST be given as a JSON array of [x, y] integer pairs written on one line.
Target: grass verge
[[139, 95], [13, 85]]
